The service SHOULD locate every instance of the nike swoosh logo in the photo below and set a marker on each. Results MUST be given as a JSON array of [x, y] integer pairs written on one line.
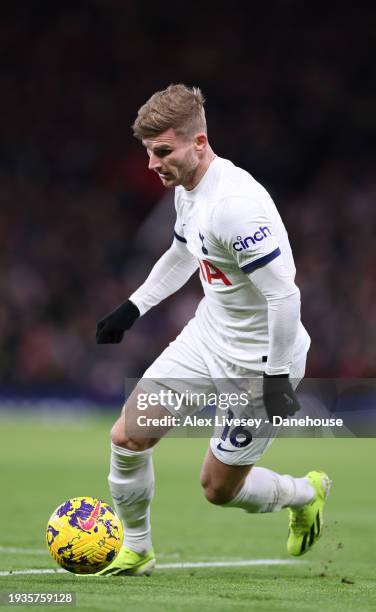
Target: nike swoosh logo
[[90, 522], [226, 450]]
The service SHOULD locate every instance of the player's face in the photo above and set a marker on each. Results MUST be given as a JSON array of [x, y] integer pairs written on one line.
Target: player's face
[[175, 158]]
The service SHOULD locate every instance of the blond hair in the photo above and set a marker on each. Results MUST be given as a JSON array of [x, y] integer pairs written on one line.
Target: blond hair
[[178, 107]]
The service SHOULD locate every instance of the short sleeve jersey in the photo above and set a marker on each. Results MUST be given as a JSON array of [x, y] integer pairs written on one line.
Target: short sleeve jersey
[[232, 226]]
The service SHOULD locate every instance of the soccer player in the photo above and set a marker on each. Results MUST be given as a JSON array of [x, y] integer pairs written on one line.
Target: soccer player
[[247, 325]]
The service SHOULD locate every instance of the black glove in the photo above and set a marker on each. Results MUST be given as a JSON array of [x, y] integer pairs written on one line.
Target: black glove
[[279, 396], [110, 329]]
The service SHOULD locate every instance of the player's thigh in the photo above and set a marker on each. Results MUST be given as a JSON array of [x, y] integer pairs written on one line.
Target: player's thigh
[[245, 445], [179, 379], [137, 428]]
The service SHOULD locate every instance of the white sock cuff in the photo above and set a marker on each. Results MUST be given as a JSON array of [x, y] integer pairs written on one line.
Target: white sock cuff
[[126, 452]]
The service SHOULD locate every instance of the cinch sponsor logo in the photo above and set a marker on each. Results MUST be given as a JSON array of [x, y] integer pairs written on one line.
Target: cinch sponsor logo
[[243, 243]]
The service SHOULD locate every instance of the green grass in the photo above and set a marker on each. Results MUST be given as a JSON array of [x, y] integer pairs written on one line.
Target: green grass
[[43, 463]]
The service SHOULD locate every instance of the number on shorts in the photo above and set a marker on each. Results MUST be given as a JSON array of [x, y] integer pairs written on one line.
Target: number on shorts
[[239, 436]]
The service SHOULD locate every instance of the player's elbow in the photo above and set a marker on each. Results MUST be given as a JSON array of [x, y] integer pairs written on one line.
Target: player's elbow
[[288, 292]]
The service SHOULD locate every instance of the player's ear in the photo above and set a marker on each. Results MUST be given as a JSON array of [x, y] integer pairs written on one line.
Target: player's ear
[[201, 141]]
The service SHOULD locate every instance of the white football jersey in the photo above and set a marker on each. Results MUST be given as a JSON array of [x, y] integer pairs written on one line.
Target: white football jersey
[[231, 226]]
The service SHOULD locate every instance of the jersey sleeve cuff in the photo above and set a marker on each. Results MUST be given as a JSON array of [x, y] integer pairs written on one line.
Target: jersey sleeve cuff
[[277, 370], [137, 301], [262, 261], [180, 238]]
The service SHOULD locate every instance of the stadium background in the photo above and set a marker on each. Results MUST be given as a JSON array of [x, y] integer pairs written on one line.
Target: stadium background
[[290, 98]]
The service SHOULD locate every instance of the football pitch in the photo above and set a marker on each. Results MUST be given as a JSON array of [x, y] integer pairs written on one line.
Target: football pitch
[[210, 558]]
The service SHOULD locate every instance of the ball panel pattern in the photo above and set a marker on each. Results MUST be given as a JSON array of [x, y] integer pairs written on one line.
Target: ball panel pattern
[[84, 535]]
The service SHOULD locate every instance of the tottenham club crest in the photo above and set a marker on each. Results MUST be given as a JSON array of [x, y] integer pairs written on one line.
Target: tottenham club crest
[[203, 247]]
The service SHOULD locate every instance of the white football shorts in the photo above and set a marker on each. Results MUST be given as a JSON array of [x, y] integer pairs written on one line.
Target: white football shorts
[[188, 362]]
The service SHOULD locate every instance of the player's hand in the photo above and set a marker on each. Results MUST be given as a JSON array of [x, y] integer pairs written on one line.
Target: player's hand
[[110, 329], [279, 396]]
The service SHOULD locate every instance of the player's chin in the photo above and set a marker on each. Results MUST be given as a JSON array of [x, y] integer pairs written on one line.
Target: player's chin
[[169, 181]]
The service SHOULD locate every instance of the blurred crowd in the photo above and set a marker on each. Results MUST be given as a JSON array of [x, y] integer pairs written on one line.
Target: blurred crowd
[[290, 98]]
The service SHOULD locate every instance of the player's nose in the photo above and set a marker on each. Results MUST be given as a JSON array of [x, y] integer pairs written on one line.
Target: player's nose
[[154, 162]]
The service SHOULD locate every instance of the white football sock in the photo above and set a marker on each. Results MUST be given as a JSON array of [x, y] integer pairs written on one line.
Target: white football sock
[[267, 491], [131, 481]]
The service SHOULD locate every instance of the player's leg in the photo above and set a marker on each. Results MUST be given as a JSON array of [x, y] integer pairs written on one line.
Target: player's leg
[[230, 479], [131, 482], [131, 476], [255, 489]]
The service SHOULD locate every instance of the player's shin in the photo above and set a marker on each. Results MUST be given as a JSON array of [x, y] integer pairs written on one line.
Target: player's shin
[[131, 481], [266, 491]]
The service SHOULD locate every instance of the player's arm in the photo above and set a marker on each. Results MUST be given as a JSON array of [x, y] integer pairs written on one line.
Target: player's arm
[[246, 228], [170, 273], [283, 299]]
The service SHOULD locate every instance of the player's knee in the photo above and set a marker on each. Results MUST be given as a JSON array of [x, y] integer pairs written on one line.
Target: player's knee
[[119, 437], [218, 495], [216, 492]]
